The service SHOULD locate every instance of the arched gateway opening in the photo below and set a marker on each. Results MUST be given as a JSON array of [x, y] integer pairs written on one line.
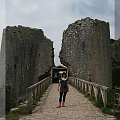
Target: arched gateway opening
[[56, 73]]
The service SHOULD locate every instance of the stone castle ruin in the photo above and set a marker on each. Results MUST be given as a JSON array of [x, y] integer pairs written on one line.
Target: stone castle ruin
[[86, 50], [29, 58]]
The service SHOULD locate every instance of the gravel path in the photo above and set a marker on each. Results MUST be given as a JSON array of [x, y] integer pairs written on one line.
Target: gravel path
[[77, 107]]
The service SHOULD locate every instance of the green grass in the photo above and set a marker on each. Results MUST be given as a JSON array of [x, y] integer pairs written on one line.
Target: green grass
[[23, 110], [117, 115]]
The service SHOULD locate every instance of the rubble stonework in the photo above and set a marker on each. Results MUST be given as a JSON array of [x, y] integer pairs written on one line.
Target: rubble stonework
[[118, 50], [86, 50], [115, 48], [29, 58]]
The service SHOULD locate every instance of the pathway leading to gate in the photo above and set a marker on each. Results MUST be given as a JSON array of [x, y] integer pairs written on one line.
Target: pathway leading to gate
[[77, 107]]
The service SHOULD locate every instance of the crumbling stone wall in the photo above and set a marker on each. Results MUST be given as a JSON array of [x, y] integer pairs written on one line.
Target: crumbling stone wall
[[118, 50], [2, 79], [29, 58], [115, 50], [86, 50]]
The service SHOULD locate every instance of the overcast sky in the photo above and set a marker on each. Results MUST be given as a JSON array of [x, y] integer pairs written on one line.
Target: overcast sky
[[53, 16], [117, 19]]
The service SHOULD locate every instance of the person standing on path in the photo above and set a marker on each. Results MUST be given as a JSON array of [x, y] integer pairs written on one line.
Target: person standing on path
[[63, 88]]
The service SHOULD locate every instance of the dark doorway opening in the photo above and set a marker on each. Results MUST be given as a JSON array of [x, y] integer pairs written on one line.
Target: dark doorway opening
[[56, 73]]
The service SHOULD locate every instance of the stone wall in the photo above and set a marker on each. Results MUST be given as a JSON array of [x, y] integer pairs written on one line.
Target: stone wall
[[29, 58], [115, 48], [86, 50], [2, 79], [118, 50]]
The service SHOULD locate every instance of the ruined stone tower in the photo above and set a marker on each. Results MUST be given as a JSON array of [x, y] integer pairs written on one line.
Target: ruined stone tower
[[115, 51], [86, 50], [29, 58]]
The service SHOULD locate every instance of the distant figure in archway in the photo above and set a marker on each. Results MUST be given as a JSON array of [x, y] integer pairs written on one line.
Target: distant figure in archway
[[89, 78], [55, 77], [63, 89]]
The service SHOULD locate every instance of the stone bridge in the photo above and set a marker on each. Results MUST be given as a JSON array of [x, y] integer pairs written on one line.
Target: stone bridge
[[78, 107]]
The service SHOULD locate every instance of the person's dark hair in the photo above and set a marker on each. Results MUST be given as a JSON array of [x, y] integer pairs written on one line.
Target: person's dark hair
[[64, 74]]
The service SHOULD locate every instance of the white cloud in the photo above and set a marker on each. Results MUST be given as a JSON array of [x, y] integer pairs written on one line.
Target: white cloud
[[117, 19], [53, 16]]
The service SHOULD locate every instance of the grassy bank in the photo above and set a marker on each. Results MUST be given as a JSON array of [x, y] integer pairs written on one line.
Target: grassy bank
[[23, 109]]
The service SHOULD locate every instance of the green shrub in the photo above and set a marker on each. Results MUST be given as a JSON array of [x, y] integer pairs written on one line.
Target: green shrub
[[107, 111], [99, 102], [116, 77], [117, 115], [110, 98]]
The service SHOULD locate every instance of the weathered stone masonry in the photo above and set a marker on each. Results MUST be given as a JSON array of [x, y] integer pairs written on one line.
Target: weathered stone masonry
[[86, 50], [115, 48], [2, 79], [29, 58]]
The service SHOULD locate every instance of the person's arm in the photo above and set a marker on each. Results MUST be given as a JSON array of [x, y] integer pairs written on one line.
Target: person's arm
[[59, 85]]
